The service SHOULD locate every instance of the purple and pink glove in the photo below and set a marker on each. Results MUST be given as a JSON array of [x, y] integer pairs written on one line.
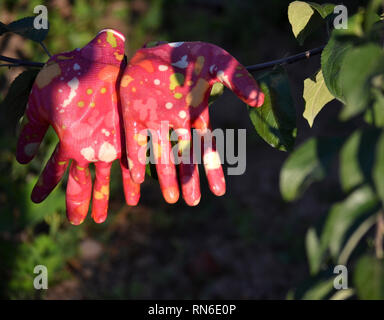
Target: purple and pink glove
[[76, 93], [171, 83]]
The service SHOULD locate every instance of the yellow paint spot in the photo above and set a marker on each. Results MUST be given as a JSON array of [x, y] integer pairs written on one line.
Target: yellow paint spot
[[98, 195], [111, 39], [118, 56], [79, 168], [178, 95], [176, 79], [47, 74], [92, 104], [89, 91], [105, 189], [140, 139], [98, 40], [103, 90], [80, 104], [130, 163], [199, 64], [133, 89], [189, 83], [63, 58], [63, 126], [126, 80], [196, 96], [62, 163], [157, 150]]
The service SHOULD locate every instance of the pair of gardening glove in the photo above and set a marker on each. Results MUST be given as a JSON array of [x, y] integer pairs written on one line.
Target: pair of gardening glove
[[102, 108]]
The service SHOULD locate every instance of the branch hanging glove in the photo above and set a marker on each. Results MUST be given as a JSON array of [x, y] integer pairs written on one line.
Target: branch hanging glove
[[76, 93], [171, 82]]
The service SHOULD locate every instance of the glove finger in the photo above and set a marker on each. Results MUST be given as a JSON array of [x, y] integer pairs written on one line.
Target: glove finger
[[235, 76], [101, 191], [79, 190], [51, 175], [136, 150], [211, 158], [31, 135], [131, 189], [165, 165], [188, 169]]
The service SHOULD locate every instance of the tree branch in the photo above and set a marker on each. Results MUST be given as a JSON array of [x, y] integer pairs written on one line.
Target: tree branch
[[288, 60], [257, 67]]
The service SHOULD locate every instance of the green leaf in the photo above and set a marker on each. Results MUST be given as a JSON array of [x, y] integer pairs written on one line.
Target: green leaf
[[307, 164], [359, 67], [275, 120], [340, 42], [303, 19], [323, 9], [316, 96], [314, 251], [371, 16], [375, 113], [299, 14], [216, 92], [24, 27], [378, 170], [357, 157], [306, 17], [13, 106], [344, 215], [319, 291], [369, 278], [150, 170]]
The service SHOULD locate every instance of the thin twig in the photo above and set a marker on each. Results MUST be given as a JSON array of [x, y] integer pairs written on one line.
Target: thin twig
[[288, 60], [9, 65], [21, 62], [45, 49], [379, 235]]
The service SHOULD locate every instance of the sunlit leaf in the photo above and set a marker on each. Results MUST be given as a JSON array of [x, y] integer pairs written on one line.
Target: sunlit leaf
[[306, 17], [316, 96]]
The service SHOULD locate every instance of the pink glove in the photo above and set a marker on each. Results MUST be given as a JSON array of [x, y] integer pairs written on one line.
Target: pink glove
[[76, 93], [172, 82]]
